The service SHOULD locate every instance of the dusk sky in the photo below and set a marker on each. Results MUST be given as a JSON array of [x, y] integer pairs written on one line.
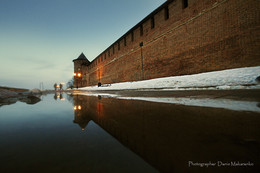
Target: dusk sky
[[40, 38]]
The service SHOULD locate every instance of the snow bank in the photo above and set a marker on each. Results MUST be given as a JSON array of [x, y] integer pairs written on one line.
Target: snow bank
[[240, 78]]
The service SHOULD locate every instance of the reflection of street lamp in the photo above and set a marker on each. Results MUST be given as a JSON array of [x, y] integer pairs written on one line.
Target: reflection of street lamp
[[77, 107], [77, 76]]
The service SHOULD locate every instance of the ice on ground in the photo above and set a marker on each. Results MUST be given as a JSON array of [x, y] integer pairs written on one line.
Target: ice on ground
[[239, 78], [97, 94]]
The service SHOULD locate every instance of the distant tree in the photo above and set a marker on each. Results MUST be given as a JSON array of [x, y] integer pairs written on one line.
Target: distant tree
[[70, 83], [61, 86], [55, 86]]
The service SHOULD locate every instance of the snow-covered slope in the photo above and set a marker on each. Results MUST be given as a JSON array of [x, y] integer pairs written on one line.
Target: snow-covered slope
[[240, 78]]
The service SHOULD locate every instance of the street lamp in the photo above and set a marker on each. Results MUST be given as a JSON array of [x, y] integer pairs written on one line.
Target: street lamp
[[141, 45]]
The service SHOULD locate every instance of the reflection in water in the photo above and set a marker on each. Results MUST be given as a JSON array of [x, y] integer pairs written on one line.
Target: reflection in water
[[58, 95], [170, 136], [26, 99], [82, 121], [42, 138], [30, 100]]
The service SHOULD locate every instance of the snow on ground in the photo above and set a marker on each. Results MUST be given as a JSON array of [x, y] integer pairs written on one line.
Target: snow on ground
[[240, 78], [237, 105], [96, 94]]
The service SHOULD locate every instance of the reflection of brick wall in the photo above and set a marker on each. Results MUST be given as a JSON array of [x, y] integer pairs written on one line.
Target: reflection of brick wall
[[167, 136], [208, 35]]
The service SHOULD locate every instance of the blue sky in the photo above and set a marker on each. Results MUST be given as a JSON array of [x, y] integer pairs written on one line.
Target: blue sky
[[40, 38]]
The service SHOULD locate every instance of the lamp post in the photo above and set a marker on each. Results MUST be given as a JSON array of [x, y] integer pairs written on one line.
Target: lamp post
[[141, 45]]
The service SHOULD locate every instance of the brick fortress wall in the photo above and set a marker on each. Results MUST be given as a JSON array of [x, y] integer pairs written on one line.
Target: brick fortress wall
[[180, 39]]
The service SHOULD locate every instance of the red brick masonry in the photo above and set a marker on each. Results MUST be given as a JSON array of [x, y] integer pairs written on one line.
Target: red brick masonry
[[207, 35]]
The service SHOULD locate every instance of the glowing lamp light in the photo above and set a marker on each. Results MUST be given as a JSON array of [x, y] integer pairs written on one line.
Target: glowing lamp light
[[79, 107], [79, 74], [74, 74]]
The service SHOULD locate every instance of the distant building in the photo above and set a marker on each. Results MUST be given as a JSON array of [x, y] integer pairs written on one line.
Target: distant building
[[178, 38]]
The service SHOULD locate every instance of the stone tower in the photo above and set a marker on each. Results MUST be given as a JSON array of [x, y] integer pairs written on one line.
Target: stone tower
[[80, 71]]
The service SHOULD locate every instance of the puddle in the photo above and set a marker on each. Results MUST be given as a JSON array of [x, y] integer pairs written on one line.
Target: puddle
[[105, 134]]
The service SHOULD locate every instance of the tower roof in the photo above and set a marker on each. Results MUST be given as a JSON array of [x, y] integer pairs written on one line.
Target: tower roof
[[82, 122], [81, 57]]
